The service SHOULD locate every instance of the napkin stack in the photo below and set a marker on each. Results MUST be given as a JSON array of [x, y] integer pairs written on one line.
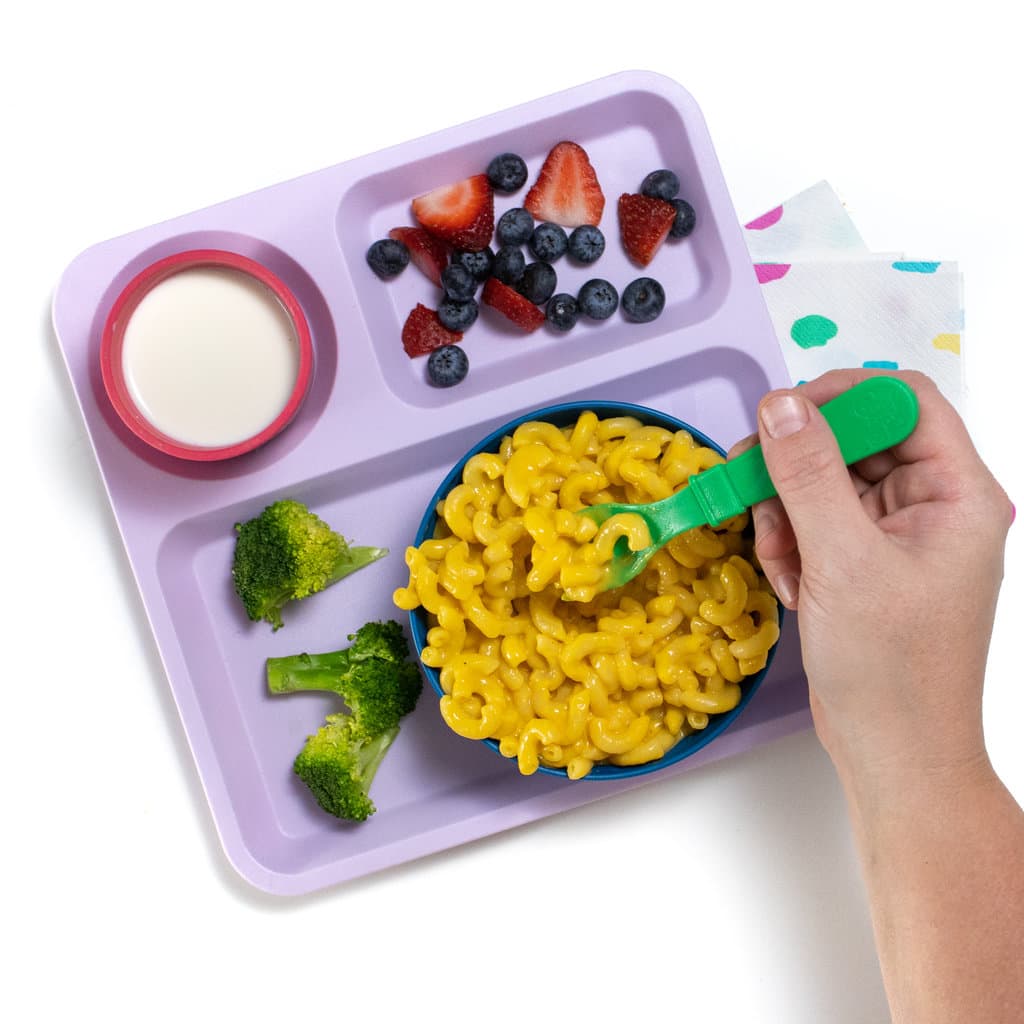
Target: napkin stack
[[835, 303]]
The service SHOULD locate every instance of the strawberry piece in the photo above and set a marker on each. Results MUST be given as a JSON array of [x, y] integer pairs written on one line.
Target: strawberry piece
[[567, 191], [507, 301], [423, 332], [430, 254], [644, 223], [461, 214]]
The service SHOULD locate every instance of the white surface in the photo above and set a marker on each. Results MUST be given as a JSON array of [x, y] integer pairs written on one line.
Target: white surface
[[730, 894]]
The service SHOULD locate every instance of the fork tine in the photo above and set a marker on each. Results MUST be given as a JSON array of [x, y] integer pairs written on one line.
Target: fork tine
[[623, 568]]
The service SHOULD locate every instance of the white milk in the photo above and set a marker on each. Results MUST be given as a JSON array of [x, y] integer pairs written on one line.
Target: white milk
[[210, 356]]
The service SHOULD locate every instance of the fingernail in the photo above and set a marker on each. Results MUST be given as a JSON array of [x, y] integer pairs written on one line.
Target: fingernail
[[788, 588], [764, 522], [783, 415]]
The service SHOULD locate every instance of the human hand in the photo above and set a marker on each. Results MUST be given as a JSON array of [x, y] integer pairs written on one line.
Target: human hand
[[895, 565]]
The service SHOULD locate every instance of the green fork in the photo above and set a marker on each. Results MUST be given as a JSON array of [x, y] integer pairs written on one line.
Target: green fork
[[872, 416]]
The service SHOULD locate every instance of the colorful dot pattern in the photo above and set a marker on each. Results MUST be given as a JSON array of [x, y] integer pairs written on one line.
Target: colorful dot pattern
[[766, 220], [816, 330], [916, 266], [771, 271], [813, 331], [827, 314]]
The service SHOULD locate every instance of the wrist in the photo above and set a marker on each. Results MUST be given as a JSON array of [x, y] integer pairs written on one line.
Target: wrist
[[920, 732], [913, 775]]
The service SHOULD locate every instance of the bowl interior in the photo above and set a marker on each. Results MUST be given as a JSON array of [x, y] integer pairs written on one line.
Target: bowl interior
[[562, 415], [112, 346]]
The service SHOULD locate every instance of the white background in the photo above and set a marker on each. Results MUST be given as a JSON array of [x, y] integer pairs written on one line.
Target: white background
[[729, 894]]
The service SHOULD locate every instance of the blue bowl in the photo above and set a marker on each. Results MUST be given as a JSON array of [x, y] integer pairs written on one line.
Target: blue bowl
[[562, 415]]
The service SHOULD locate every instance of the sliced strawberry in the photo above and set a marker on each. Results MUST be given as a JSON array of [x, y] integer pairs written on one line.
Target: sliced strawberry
[[644, 223], [519, 309], [423, 332], [461, 214], [567, 191], [430, 254]]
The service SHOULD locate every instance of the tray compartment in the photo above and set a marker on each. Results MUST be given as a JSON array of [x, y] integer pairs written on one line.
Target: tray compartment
[[375, 502], [314, 306], [626, 136]]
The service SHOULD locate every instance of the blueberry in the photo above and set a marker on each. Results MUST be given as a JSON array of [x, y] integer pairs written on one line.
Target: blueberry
[[586, 243], [458, 283], [515, 227], [686, 219], [598, 299], [387, 257], [562, 312], [456, 315], [643, 300], [538, 282], [548, 242], [446, 366], [660, 185], [477, 263], [507, 172], [509, 264]]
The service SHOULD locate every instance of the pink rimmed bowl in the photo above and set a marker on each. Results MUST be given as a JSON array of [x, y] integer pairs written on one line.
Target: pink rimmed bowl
[[114, 375]]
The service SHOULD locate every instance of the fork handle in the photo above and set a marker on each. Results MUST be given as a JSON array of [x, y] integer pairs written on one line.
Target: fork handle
[[872, 416]]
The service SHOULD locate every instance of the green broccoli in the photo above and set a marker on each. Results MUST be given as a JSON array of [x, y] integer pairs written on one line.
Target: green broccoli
[[374, 676], [379, 684], [338, 764], [382, 640], [287, 553]]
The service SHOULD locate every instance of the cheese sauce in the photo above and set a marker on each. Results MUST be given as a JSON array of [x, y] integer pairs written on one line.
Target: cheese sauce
[[210, 356]]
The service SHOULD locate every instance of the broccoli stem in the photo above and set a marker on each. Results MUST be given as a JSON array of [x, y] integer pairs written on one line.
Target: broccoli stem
[[298, 672], [352, 559], [371, 755]]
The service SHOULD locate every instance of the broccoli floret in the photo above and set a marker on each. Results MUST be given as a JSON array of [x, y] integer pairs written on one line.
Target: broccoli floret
[[377, 692], [338, 764], [379, 684], [380, 693], [373, 676], [384, 641], [287, 553], [379, 640]]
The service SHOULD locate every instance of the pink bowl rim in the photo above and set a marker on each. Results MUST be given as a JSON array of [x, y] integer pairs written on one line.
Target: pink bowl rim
[[113, 337]]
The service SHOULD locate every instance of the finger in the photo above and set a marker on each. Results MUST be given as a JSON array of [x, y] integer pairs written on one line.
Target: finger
[[860, 485], [773, 532], [877, 467], [940, 432], [744, 444], [908, 485], [776, 549], [860, 481], [810, 476], [784, 576]]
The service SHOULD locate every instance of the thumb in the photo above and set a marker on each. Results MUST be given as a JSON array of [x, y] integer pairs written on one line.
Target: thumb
[[812, 480]]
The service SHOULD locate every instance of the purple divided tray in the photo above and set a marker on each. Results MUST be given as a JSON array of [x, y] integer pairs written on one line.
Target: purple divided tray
[[373, 440]]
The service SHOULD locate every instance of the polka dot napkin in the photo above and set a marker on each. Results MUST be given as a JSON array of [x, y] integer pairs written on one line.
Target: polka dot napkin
[[835, 303]]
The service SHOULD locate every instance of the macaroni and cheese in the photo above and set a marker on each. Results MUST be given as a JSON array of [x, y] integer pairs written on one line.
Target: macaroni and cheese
[[532, 653]]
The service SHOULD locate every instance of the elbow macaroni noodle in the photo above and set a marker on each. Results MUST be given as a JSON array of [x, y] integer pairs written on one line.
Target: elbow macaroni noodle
[[532, 653]]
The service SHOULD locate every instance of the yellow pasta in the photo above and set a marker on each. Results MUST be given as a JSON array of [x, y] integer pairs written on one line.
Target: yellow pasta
[[532, 652]]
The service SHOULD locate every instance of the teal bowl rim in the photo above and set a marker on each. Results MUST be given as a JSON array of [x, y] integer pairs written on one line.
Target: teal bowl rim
[[562, 414]]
